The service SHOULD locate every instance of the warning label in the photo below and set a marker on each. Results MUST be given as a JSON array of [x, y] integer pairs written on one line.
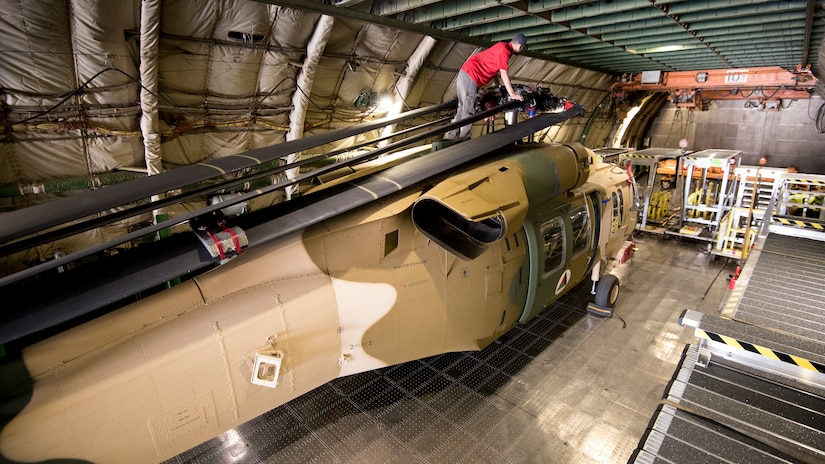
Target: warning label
[[191, 422]]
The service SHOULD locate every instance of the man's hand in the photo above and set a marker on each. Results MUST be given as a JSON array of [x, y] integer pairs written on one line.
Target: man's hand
[[505, 78]]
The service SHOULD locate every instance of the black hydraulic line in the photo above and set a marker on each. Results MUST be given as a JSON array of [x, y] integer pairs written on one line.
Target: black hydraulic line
[[90, 287], [22, 222], [89, 224], [66, 259], [724, 265]]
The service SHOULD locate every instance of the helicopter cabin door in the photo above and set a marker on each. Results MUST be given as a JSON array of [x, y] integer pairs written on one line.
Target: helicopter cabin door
[[560, 251]]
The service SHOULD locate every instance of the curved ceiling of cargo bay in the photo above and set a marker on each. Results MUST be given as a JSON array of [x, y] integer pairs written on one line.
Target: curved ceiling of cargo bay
[[97, 92]]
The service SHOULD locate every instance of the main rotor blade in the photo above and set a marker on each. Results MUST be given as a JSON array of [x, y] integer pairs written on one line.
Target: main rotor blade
[[22, 222], [90, 287]]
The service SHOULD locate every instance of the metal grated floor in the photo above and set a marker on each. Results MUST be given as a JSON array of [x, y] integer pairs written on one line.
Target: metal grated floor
[[566, 387], [753, 388], [722, 412], [786, 286]]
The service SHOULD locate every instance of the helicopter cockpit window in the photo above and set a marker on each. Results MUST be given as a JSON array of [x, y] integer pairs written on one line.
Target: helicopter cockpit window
[[553, 233], [621, 207]]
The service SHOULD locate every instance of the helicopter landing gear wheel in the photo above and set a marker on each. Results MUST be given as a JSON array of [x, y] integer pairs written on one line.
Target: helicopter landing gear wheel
[[607, 291]]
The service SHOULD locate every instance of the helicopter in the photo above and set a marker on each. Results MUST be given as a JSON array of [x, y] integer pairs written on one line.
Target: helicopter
[[443, 252]]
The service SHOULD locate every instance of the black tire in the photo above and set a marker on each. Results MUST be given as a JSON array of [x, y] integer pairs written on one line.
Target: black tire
[[820, 119], [607, 291]]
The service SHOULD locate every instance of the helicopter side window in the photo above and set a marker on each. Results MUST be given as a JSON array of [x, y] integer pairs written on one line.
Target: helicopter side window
[[553, 233], [617, 211], [580, 222]]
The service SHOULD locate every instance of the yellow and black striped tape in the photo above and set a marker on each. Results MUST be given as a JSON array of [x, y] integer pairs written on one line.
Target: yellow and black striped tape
[[799, 223], [766, 352], [631, 155], [805, 181]]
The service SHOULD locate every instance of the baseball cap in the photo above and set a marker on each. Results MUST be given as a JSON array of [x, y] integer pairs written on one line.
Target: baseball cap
[[519, 38]]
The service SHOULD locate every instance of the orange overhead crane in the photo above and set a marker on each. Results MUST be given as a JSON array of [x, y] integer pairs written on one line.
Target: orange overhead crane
[[693, 89]]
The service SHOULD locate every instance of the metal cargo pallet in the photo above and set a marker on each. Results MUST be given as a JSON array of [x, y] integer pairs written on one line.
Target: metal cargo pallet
[[708, 177], [650, 158], [753, 388]]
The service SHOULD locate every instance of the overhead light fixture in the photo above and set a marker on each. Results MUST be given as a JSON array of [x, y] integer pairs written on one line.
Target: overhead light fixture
[[352, 65], [662, 49], [665, 48], [385, 102]]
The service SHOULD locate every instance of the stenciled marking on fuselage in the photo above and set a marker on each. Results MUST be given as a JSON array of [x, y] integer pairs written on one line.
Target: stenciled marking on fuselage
[[563, 281], [414, 263]]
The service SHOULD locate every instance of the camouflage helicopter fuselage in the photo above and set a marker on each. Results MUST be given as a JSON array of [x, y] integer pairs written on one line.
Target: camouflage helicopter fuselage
[[449, 265]]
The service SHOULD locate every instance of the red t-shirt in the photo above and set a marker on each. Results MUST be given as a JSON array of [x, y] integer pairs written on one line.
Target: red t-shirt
[[484, 65]]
